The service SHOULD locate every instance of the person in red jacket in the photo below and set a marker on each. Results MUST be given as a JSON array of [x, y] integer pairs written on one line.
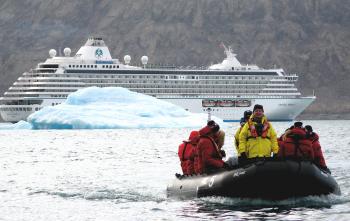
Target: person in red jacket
[[186, 153], [314, 138], [295, 144], [208, 156]]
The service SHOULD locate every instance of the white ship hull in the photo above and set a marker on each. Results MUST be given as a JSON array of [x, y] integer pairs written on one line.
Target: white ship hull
[[276, 109]]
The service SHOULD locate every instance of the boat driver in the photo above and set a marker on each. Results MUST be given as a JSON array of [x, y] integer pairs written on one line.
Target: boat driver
[[257, 139]]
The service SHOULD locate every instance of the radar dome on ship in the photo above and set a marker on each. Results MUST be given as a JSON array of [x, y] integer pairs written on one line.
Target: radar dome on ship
[[52, 53], [67, 52], [127, 59], [144, 60]]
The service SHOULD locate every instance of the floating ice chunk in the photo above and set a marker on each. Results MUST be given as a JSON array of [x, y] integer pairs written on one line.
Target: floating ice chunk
[[114, 107]]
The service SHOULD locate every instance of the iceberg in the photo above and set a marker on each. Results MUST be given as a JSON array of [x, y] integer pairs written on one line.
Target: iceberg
[[114, 108], [21, 125]]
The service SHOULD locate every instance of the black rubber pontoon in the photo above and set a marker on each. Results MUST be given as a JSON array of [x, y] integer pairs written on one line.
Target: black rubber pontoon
[[265, 179]]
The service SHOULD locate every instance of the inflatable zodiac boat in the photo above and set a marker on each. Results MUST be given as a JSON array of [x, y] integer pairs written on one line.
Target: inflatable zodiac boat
[[272, 180]]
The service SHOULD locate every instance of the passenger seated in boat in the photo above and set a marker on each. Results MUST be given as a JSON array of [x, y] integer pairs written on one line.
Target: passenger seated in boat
[[208, 157], [186, 153], [233, 161], [316, 146], [257, 139], [294, 144], [244, 119], [284, 135]]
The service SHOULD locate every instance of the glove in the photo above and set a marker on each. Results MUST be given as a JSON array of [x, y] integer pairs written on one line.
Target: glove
[[243, 156], [223, 153], [242, 159]]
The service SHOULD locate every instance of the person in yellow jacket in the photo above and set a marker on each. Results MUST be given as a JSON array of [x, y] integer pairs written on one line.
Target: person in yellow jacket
[[244, 120], [257, 139]]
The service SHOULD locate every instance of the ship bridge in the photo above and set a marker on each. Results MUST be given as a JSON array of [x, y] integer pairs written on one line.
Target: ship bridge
[[94, 49]]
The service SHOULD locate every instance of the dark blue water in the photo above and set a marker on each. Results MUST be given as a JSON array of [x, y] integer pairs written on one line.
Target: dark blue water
[[123, 174]]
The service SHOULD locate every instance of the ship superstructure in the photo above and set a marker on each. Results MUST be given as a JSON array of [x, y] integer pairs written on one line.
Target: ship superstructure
[[225, 90]]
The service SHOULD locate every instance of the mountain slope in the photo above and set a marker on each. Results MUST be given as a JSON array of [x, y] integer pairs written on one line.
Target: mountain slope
[[307, 37]]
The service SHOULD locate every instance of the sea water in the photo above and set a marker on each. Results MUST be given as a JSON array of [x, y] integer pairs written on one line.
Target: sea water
[[122, 174]]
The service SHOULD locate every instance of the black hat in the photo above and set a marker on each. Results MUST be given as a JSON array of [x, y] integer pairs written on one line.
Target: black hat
[[258, 106], [214, 127], [211, 123], [247, 114], [308, 128], [298, 124]]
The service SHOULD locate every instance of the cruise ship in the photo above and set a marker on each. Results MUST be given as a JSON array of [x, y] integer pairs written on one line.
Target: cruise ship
[[224, 90]]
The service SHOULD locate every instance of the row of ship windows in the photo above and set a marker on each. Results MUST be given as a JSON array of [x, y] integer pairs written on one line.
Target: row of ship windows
[[59, 95], [29, 87], [147, 77], [46, 71], [92, 66], [156, 78], [44, 90], [174, 77], [187, 91], [194, 91], [174, 82], [149, 81], [143, 80], [170, 77], [184, 77], [161, 88], [73, 88], [35, 95], [76, 87], [284, 86], [49, 80], [26, 109]]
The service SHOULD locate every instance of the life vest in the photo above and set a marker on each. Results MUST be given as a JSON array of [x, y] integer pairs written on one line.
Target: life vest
[[186, 153], [296, 145], [202, 150], [211, 157], [186, 158], [214, 144], [252, 128], [316, 146]]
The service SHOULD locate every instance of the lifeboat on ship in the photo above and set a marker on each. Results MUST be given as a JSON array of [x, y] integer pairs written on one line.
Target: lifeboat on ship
[[209, 103], [243, 103], [226, 103], [269, 179]]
